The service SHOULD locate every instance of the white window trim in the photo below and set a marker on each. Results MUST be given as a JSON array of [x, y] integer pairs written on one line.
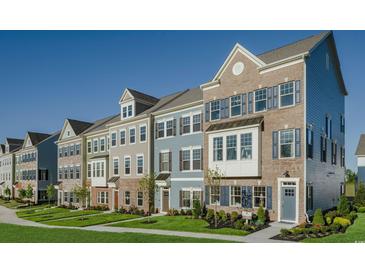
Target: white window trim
[[97, 140], [103, 138], [191, 148], [139, 133], [210, 111], [111, 139], [254, 101], [129, 135], [87, 148], [210, 196], [116, 158], [279, 95], [253, 197], [91, 170], [138, 198], [230, 196], [293, 145], [125, 137], [126, 105], [130, 165], [139, 155], [230, 106]]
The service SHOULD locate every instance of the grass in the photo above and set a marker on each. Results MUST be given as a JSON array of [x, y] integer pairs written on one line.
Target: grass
[[28, 213], [21, 234], [355, 233], [61, 215], [10, 204], [92, 220], [180, 223]]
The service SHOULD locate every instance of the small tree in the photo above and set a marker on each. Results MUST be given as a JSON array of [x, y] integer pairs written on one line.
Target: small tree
[[29, 193], [318, 217], [359, 199], [22, 194], [197, 209], [213, 179], [51, 192], [81, 193], [147, 185], [261, 216], [7, 192], [343, 206]]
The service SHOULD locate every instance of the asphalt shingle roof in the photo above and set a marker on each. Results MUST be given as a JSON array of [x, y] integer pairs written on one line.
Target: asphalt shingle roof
[[36, 137], [235, 124], [101, 124], [143, 96], [13, 141], [292, 49], [79, 126]]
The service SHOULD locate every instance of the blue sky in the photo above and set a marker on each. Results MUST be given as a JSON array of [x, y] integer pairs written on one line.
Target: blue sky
[[47, 76]]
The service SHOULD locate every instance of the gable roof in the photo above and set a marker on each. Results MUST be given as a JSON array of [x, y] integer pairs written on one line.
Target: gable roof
[[2, 148], [13, 141], [37, 137], [360, 150], [79, 126], [187, 97], [142, 96], [163, 101], [293, 49], [101, 124]]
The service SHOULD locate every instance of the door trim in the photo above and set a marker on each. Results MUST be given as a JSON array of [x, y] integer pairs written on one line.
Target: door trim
[[161, 198], [281, 181]]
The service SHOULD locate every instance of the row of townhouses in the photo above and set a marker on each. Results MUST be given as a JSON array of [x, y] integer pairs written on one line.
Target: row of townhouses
[[273, 124]]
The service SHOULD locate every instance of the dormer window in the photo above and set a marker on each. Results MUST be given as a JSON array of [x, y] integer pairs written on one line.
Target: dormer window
[[127, 111]]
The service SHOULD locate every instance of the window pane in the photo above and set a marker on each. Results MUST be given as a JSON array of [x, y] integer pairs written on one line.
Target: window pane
[[186, 124], [169, 128], [236, 105], [259, 196], [215, 110], [260, 100], [286, 143], [287, 94], [246, 146], [232, 147], [186, 159], [218, 149], [196, 122], [196, 159]]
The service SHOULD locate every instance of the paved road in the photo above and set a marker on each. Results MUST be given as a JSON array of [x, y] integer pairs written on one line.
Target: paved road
[[263, 236]]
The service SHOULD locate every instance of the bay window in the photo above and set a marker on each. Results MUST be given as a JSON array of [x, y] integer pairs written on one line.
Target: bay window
[[217, 149], [246, 146], [231, 147]]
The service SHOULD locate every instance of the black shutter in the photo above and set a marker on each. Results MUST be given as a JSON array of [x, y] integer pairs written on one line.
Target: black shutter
[[160, 161], [207, 112], [269, 98], [275, 94], [201, 122], [170, 161], [297, 143], [201, 159], [174, 127], [181, 125], [275, 145], [180, 160], [244, 104], [156, 136], [207, 194], [180, 199], [297, 92], [250, 102]]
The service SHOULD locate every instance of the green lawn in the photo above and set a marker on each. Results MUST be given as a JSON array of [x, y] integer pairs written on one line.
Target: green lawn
[[28, 213], [21, 234], [61, 215], [180, 223], [355, 233], [92, 220], [10, 204]]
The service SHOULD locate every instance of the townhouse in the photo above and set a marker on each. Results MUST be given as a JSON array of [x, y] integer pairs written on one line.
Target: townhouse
[[178, 152], [70, 161], [97, 161], [7, 164], [274, 129], [36, 164], [360, 159]]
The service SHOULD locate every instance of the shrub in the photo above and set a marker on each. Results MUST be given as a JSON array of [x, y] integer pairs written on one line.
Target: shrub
[[197, 210], [297, 231], [204, 211], [173, 212], [222, 215], [359, 199], [189, 212], [343, 206], [182, 212], [261, 216], [234, 216], [318, 217], [324, 229], [335, 227], [329, 216], [328, 220], [361, 209], [285, 232], [210, 215], [176, 212], [238, 224], [343, 222]]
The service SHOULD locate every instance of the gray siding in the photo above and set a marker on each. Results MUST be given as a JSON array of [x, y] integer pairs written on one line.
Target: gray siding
[[324, 97]]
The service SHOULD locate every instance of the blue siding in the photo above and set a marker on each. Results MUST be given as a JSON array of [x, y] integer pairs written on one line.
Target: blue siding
[[174, 144], [324, 97], [361, 174]]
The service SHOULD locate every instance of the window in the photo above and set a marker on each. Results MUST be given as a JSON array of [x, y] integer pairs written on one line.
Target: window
[[259, 196], [287, 94], [231, 147], [65, 153], [102, 197], [334, 153], [260, 100], [60, 172], [114, 139], [65, 197], [186, 125], [122, 137], [160, 130], [102, 144], [197, 159], [246, 146], [88, 170], [108, 142], [217, 149], [140, 164], [77, 147], [185, 159], [116, 166], [287, 143], [235, 105], [94, 170], [197, 120], [127, 111], [130, 111], [59, 153], [165, 161], [236, 196], [214, 195], [169, 128], [342, 156], [142, 134], [197, 195], [132, 135], [342, 124], [127, 165], [72, 196], [323, 149], [215, 110], [139, 198], [96, 145], [88, 147], [309, 197], [72, 150], [77, 172], [309, 143], [185, 196], [98, 169], [328, 127], [127, 198]]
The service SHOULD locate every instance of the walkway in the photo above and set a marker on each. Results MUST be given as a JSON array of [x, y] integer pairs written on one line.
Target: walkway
[[263, 236]]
